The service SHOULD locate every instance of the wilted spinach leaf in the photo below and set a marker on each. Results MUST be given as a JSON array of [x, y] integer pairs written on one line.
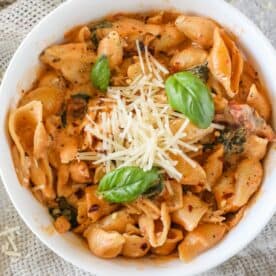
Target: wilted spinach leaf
[[66, 210], [201, 71]]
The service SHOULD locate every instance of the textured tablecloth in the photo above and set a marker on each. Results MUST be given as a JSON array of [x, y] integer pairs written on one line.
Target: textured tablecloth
[[16, 20]]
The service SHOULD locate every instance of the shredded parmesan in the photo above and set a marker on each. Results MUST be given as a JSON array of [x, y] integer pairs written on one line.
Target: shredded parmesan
[[136, 132], [8, 246]]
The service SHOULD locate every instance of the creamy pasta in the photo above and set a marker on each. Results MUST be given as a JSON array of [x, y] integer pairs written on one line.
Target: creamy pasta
[[144, 134]]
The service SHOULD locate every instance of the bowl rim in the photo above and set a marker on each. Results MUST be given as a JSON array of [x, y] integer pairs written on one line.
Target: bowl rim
[[62, 254]]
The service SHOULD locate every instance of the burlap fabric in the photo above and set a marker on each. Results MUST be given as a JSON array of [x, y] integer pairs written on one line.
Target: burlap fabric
[[16, 20]]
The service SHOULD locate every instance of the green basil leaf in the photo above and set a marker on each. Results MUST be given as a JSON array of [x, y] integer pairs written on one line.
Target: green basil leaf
[[127, 183], [189, 95], [100, 74]]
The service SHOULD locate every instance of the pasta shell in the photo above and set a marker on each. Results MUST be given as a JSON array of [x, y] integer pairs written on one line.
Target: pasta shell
[[78, 34], [48, 190], [201, 239], [191, 213], [146, 206], [135, 246], [116, 221], [79, 172], [23, 123], [255, 147], [173, 195], [61, 58], [214, 166], [156, 237], [22, 170], [259, 102], [234, 219], [194, 134], [42, 177], [224, 192], [67, 146], [41, 142], [63, 187], [236, 61], [188, 58], [248, 177], [50, 97], [174, 236], [198, 29], [226, 62], [219, 63], [97, 207], [112, 47], [220, 101], [170, 37], [129, 26], [104, 244], [190, 175], [52, 79]]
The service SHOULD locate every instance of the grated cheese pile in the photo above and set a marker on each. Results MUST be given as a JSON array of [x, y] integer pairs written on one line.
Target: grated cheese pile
[[8, 247], [136, 132]]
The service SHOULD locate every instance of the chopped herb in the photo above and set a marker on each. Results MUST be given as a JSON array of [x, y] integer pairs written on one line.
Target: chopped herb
[[66, 210], [94, 39], [83, 96], [63, 117], [77, 106], [94, 27], [201, 71], [100, 25], [208, 146], [233, 140]]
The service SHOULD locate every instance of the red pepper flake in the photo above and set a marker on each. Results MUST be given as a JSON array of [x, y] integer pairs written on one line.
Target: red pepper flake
[[94, 208], [144, 246]]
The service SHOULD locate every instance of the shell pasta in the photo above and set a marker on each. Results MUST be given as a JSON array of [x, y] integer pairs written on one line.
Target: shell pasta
[[144, 134]]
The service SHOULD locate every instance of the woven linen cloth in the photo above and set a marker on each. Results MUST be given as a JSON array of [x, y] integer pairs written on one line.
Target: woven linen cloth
[[16, 20]]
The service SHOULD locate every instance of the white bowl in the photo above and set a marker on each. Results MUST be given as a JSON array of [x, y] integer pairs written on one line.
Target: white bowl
[[20, 75]]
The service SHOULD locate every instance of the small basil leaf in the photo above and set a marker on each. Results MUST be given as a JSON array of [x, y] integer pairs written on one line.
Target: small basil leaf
[[100, 74], [127, 183], [189, 95]]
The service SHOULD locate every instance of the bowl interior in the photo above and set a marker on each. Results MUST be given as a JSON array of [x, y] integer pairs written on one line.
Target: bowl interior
[[20, 75]]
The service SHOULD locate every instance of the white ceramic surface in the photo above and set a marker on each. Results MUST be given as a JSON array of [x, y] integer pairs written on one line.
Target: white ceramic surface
[[19, 76]]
